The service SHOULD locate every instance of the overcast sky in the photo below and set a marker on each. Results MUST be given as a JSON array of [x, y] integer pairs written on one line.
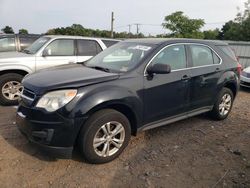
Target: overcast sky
[[40, 15]]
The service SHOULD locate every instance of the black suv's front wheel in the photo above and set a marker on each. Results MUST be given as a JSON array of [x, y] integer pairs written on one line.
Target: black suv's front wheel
[[104, 136], [223, 105]]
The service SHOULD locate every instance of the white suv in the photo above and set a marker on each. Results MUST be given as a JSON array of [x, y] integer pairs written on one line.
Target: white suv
[[47, 51]]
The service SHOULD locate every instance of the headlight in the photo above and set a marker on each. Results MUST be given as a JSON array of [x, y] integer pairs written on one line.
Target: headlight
[[54, 100]]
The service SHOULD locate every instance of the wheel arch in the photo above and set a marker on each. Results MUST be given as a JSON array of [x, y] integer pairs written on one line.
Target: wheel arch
[[120, 107]]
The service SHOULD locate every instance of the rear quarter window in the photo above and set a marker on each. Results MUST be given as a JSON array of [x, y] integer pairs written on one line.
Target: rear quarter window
[[228, 51]]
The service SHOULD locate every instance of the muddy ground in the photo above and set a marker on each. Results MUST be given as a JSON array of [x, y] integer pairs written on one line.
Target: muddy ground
[[196, 152]]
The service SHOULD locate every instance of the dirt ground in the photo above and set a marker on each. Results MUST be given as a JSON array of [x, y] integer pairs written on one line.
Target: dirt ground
[[196, 152]]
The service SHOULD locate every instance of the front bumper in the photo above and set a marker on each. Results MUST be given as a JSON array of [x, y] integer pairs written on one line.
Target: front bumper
[[51, 132], [244, 81]]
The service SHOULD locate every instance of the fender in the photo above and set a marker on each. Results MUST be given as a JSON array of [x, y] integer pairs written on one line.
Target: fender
[[103, 97], [9, 67], [228, 78]]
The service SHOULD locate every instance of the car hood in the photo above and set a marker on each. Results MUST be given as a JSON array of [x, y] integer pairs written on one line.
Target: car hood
[[67, 76], [4, 55], [247, 70]]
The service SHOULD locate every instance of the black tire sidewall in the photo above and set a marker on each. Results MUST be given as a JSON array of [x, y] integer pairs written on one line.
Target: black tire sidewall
[[3, 80], [91, 127]]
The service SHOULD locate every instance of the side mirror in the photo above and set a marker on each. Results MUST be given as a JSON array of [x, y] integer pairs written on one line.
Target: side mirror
[[159, 69], [46, 52]]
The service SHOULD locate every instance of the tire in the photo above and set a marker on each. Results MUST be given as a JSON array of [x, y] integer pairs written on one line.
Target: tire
[[6, 93], [93, 129], [217, 111]]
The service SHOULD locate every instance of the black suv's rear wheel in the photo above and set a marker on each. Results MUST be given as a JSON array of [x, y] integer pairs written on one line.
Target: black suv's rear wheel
[[223, 104], [10, 88], [104, 136]]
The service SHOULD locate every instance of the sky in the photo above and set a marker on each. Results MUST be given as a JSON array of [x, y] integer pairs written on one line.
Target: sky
[[40, 15]]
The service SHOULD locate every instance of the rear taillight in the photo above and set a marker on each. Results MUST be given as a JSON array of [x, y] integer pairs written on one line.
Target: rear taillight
[[239, 68]]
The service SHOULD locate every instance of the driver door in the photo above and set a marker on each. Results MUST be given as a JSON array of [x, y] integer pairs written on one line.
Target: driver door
[[166, 95]]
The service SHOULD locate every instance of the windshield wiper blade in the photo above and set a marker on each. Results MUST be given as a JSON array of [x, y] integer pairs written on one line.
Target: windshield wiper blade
[[26, 51], [100, 68]]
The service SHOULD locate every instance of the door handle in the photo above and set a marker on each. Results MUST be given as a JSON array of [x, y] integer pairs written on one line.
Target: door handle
[[217, 69], [185, 77]]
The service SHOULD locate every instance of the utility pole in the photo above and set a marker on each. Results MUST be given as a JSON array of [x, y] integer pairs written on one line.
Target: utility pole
[[112, 24], [137, 29], [129, 30]]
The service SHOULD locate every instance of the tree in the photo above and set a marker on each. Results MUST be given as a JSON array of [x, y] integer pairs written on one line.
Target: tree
[[239, 28], [7, 30], [211, 34], [23, 31], [182, 26]]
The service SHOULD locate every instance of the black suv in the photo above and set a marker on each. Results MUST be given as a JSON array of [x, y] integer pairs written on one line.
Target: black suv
[[16, 42], [132, 86]]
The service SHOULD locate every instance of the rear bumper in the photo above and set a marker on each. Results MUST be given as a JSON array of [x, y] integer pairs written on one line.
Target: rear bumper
[[51, 132], [244, 81]]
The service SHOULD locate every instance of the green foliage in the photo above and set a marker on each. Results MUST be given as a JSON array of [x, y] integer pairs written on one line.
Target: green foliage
[[239, 28], [182, 26], [211, 34], [79, 30], [8, 30], [23, 31]]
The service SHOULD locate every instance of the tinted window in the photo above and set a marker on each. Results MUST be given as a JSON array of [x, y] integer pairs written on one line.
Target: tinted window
[[26, 41], [61, 47], [109, 43], [216, 59], [227, 50], [201, 55], [7, 44], [174, 56], [34, 47], [88, 48]]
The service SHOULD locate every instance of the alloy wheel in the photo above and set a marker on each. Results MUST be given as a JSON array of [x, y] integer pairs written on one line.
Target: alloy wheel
[[12, 90], [225, 104], [109, 139]]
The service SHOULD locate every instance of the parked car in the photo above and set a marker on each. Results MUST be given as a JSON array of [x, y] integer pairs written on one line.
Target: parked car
[[45, 52], [16, 42], [132, 86], [245, 77]]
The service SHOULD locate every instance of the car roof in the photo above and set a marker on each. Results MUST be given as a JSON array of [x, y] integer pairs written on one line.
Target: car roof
[[157, 41], [77, 37]]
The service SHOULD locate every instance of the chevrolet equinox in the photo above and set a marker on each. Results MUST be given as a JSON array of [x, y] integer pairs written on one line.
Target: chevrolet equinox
[[132, 86]]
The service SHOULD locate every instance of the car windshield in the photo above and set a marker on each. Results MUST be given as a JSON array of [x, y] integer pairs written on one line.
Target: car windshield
[[121, 57], [34, 47]]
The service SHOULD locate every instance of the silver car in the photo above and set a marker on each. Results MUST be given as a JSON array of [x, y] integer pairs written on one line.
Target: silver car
[[245, 77], [47, 51]]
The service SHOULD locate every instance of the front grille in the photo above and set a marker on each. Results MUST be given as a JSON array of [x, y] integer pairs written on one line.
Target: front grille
[[28, 97], [27, 94], [245, 74]]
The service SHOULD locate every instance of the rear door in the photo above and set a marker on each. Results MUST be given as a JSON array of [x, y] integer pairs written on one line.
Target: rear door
[[59, 52], [166, 95], [205, 73], [86, 49]]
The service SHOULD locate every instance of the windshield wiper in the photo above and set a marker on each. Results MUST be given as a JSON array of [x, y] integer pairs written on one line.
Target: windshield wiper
[[100, 68], [26, 51]]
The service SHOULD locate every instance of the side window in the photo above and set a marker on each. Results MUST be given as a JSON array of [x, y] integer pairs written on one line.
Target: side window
[[61, 47], [7, 44], [201, 55], [87, 48], [175, 56], [216, 59], [26, 41]]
